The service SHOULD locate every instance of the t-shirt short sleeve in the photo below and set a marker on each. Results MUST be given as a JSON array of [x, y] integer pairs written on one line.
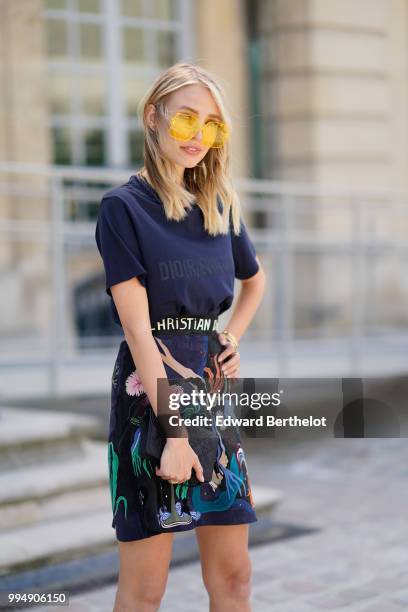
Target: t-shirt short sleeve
[[244, 253], [117, 242]]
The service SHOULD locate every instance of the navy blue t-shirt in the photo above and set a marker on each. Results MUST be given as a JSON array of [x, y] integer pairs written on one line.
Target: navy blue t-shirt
[[185, 271]]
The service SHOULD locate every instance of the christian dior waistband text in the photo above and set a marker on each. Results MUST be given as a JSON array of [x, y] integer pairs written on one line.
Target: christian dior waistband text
[[186, 324]]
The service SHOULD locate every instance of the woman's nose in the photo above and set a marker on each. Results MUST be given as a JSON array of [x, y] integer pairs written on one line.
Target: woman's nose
[[198, 135]]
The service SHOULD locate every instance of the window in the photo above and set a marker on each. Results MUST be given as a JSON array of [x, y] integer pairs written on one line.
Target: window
[[102, 56], [62, 146], [135, 145], [89, 6], [95, 148]]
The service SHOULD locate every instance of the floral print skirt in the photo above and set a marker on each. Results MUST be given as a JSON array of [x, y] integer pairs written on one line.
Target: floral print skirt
[[225, 500]]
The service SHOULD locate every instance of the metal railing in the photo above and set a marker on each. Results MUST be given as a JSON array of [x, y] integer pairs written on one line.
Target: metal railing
[[333, 258]]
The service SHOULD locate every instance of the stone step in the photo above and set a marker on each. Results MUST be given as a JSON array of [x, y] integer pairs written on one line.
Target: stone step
[[90, 466], [81, 535], [63, 488], [61, 506], [24, 426], [29, 436]]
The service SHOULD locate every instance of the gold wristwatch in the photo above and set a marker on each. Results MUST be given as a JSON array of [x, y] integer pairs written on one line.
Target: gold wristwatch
[[231, 338]]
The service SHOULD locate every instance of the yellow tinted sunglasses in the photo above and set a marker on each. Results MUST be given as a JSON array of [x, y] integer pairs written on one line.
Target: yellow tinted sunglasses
[[184, 126]]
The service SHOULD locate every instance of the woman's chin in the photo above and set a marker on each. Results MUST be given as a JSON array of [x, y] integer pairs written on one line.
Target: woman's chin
[[189, 163]]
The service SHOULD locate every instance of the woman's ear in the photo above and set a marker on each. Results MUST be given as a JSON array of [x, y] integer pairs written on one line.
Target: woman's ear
[[150, 116]]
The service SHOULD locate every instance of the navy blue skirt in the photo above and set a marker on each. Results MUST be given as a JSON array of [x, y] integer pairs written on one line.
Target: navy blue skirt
[[225, 500]]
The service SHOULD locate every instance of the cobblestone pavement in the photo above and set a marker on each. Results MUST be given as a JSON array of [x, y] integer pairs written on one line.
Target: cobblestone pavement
[[355, 492]]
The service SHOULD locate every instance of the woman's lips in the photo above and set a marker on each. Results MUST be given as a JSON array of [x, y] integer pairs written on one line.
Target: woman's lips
[[191, 150]]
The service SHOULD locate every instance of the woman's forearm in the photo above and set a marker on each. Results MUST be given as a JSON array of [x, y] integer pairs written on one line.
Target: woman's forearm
[[148, 362], [249, 298]]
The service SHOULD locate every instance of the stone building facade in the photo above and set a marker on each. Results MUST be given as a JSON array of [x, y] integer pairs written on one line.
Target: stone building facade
[[318, 90]]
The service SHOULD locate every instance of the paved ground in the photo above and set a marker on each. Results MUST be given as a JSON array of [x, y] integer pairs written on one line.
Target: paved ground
[[355, 492]]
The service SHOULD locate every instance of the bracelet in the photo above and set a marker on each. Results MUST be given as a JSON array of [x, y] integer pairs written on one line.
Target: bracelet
[[231, 338]]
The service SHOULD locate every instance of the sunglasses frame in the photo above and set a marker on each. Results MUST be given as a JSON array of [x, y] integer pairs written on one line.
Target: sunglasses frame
[[197, 128]]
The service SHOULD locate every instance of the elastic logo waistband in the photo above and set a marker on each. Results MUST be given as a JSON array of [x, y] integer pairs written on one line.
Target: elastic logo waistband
[[186, 324]]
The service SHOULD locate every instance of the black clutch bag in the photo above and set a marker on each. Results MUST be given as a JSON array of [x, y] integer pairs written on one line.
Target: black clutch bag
[[203, 440]]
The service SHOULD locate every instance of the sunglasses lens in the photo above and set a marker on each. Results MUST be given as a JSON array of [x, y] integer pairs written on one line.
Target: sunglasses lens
[[210, 131], [182, 126], [215, 134]]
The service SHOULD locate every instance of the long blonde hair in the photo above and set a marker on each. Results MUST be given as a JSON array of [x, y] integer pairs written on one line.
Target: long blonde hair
[[209, 180]]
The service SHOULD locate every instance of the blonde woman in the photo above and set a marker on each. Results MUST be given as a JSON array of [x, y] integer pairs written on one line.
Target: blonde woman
[[172, 239]]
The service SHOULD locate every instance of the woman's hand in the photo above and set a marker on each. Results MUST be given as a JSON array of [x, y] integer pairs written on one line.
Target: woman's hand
[[177, 461], [230, 366]]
